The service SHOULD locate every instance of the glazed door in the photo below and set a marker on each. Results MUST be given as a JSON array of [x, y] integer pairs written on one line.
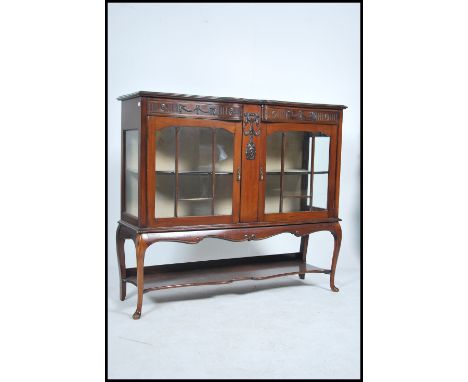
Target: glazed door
[[298, 172], [193, 167]]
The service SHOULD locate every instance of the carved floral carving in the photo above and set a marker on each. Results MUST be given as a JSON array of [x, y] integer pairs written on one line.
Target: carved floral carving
[[281, 114], [210, 110]]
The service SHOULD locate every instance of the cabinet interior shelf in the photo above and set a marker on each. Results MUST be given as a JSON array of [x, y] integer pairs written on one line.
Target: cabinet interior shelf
[[193, 199], [222, 271], [287, 172], [194, 172]]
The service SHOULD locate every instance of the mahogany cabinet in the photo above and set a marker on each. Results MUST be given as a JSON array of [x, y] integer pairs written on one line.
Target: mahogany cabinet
[[229, 168]]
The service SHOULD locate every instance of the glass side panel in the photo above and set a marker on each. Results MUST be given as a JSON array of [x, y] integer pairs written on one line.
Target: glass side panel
[[195, 149], [296, 171], [322, 148], [320, 191], [131, 172]]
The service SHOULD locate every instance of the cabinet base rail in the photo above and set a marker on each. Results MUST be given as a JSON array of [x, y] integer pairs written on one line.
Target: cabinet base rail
[[223, 271]]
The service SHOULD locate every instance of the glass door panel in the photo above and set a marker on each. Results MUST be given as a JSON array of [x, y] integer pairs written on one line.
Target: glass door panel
[[193, 171], [272, 193], [195, 194], [195, 149], [297, 167], [165, 195], [165, 149], [224, 151], [295, 185], [296, 148], [165, 167], [223, 194], [274, 144]]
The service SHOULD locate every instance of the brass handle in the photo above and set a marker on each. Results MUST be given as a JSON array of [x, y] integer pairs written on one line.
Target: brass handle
[[249, 237], [238, 174], [261, 173]]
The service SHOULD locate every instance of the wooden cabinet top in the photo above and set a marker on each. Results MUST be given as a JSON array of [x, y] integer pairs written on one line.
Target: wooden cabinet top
[[227, 99]]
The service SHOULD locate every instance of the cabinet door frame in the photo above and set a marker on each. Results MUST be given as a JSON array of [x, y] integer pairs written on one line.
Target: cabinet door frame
[[157, 123], [330, 130]]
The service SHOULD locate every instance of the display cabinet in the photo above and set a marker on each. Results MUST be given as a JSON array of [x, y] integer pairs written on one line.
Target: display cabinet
[[236, 169]]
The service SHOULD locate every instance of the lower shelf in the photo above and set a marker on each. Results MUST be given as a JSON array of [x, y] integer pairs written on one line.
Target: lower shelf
[[222, 271]]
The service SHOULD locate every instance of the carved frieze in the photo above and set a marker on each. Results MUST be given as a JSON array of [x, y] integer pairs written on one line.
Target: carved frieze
[[284, 114], [224, 111]]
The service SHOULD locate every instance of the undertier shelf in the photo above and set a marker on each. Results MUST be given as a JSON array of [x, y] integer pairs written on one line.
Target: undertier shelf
[[222, 271]]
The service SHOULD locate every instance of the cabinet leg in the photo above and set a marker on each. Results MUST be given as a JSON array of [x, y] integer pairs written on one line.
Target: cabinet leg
[[303, 252], [336, 250], [120, 242], [141, 246]]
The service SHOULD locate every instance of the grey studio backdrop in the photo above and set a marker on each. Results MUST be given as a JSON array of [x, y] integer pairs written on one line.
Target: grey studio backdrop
[[299, 52]]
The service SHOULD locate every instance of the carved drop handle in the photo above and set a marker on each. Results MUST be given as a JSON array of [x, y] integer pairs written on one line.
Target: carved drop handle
[[261, 173]]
